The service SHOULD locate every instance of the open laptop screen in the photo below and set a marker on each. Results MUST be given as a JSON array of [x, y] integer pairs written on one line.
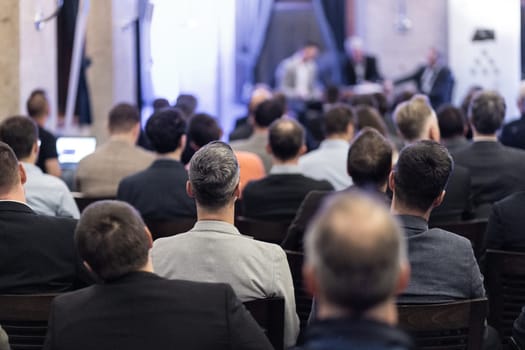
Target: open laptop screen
[[72, 149]]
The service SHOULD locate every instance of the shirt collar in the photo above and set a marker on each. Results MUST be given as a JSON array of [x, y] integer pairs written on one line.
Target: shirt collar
[[285, 169], [335, 143], [413, 224], [31, 168], [216, 226]]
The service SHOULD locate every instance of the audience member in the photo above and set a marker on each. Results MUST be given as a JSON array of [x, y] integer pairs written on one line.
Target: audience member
[[266, 112], [45, 194], [202, 129], [452, 128], [38, 108], [159, 192], [328, 161], [214, 250], [370, 117], [443, 263], [279, 195], [36, 251], [355, 266], [513, 133], [506, 223], [99, 174], [131, 307], [465, 105], [244, 126], [368, 163], [496, 170], [356, 66], [416, 120], [187, 104], [158, 104]]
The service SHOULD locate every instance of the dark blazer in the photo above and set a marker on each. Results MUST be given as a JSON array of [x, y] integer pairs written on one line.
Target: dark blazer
[[159, 192], [144, 311], [441, 91], [37, 252], [506, 226], [349, 74], [443, 266], [513, 133], [278, 196], [496, 171]]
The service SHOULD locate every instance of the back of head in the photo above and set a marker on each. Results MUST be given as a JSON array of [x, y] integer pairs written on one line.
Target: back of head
[[337, 119], [421, 174], [160, 103], [214, 175], [187, 104], [382, 103], [450, 121], [465, 103], [123, 118], [111, 238], [165, 129], [412, 116], [370, 117], [356, 250], [260, 94], [363, 100], [203, 129], [332, 94], [21, 134], [37, 104], [487, 112], [369, 159], [267, 112], [286, 138], [9, 175]]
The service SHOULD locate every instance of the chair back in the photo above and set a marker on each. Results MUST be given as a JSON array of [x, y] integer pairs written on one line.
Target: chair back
[[24, 319], [166, 228], [269, 314], [449, 326], [262, 230], [83, 201], [505, 282], [473, 230], [303, 300]]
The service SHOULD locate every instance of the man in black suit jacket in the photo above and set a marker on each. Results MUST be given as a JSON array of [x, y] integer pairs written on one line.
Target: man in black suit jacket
[[37, 253], [432, 79], [279, 195], [506, 222], [356, 66], [159, 192], [369, 162], [513, 133], [496, 170], [134, 308]]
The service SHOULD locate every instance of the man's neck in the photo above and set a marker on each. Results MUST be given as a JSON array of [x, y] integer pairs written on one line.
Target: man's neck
[[40, 121], [478, 137], [175, 155], [384, 313], [16, 195], [339, 137], [290, 162], [128, 138], [400, 209], [29, 160], [226, 214], [260, 130]]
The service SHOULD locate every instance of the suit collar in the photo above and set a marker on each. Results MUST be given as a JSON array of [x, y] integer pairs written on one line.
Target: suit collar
[[133, 276], [484, 144], [166, 163], [7, 205], [216, 227], [413, 224]]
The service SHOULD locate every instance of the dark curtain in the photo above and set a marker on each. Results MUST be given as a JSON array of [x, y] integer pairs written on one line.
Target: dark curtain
[[66, 22], [335, 14]]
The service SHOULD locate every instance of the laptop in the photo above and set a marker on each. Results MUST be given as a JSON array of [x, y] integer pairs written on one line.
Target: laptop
[[71, 149]]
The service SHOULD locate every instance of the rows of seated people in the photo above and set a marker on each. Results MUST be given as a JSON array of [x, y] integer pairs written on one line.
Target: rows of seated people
[[357, 202]]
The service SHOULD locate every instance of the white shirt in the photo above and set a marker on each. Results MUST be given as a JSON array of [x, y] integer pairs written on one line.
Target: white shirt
[[47, 194], [328, 162]]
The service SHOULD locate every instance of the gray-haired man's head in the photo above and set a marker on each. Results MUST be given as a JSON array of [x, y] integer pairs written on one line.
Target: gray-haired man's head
[[214, 175]]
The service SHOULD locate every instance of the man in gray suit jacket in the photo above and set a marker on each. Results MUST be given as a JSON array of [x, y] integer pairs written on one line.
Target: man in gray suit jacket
[[215, 251], [443, 263]]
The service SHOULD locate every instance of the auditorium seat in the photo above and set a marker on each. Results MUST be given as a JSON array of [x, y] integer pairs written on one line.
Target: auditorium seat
[[269, 314], [303, 300], [166, 228], [262, 230], [83, 201]]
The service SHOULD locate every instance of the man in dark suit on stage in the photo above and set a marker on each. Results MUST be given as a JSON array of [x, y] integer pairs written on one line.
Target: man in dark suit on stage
[[37, 253], [159, 192], [133, 308], [357, 67]]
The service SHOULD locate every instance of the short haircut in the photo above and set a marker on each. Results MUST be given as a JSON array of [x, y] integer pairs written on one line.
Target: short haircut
[[421, 174], [412, 116], [356, 248], [337, 119], [369, 158], [214, 175], [123, 118], [160, 103], [451, 121], [37, 104], [111, 237], [285, 137], [187, 104], [487, 112], [332, 94], [9, 175], [267, 112], [370, 117], [203, 129], [165, 129], [21, 134]]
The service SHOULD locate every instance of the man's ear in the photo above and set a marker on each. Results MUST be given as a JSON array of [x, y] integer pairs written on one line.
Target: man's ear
[[433, 132], [22, 173], [36, 148], [391, 182], [350, 130], [182, 142], [150, 237], [404, 277], [189, 190], [310, 280], [303, 150], [268, 149], [437, 202]]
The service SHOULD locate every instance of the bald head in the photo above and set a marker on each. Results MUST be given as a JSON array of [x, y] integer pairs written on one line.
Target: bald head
[[286, 139], [355, 251], [416, 120], [259, 95]]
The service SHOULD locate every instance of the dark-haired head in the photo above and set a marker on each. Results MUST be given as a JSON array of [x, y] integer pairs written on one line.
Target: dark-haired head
[[267, 112], [9, 171], [451, 121], [21, 134], [339, 120], [166, 131], [123, 119], [286, 139], [203, 129], [37, 104]]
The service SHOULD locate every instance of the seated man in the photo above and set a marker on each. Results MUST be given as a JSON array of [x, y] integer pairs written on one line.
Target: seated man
[[368, 163], [328, 162], [159, 192], [506, 223], [36, 251], [279, 195], [131, 307], [215, 251], [443, 263], [513, 133], [45, 194], [355, 266], [99, 174], [452, 127]]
